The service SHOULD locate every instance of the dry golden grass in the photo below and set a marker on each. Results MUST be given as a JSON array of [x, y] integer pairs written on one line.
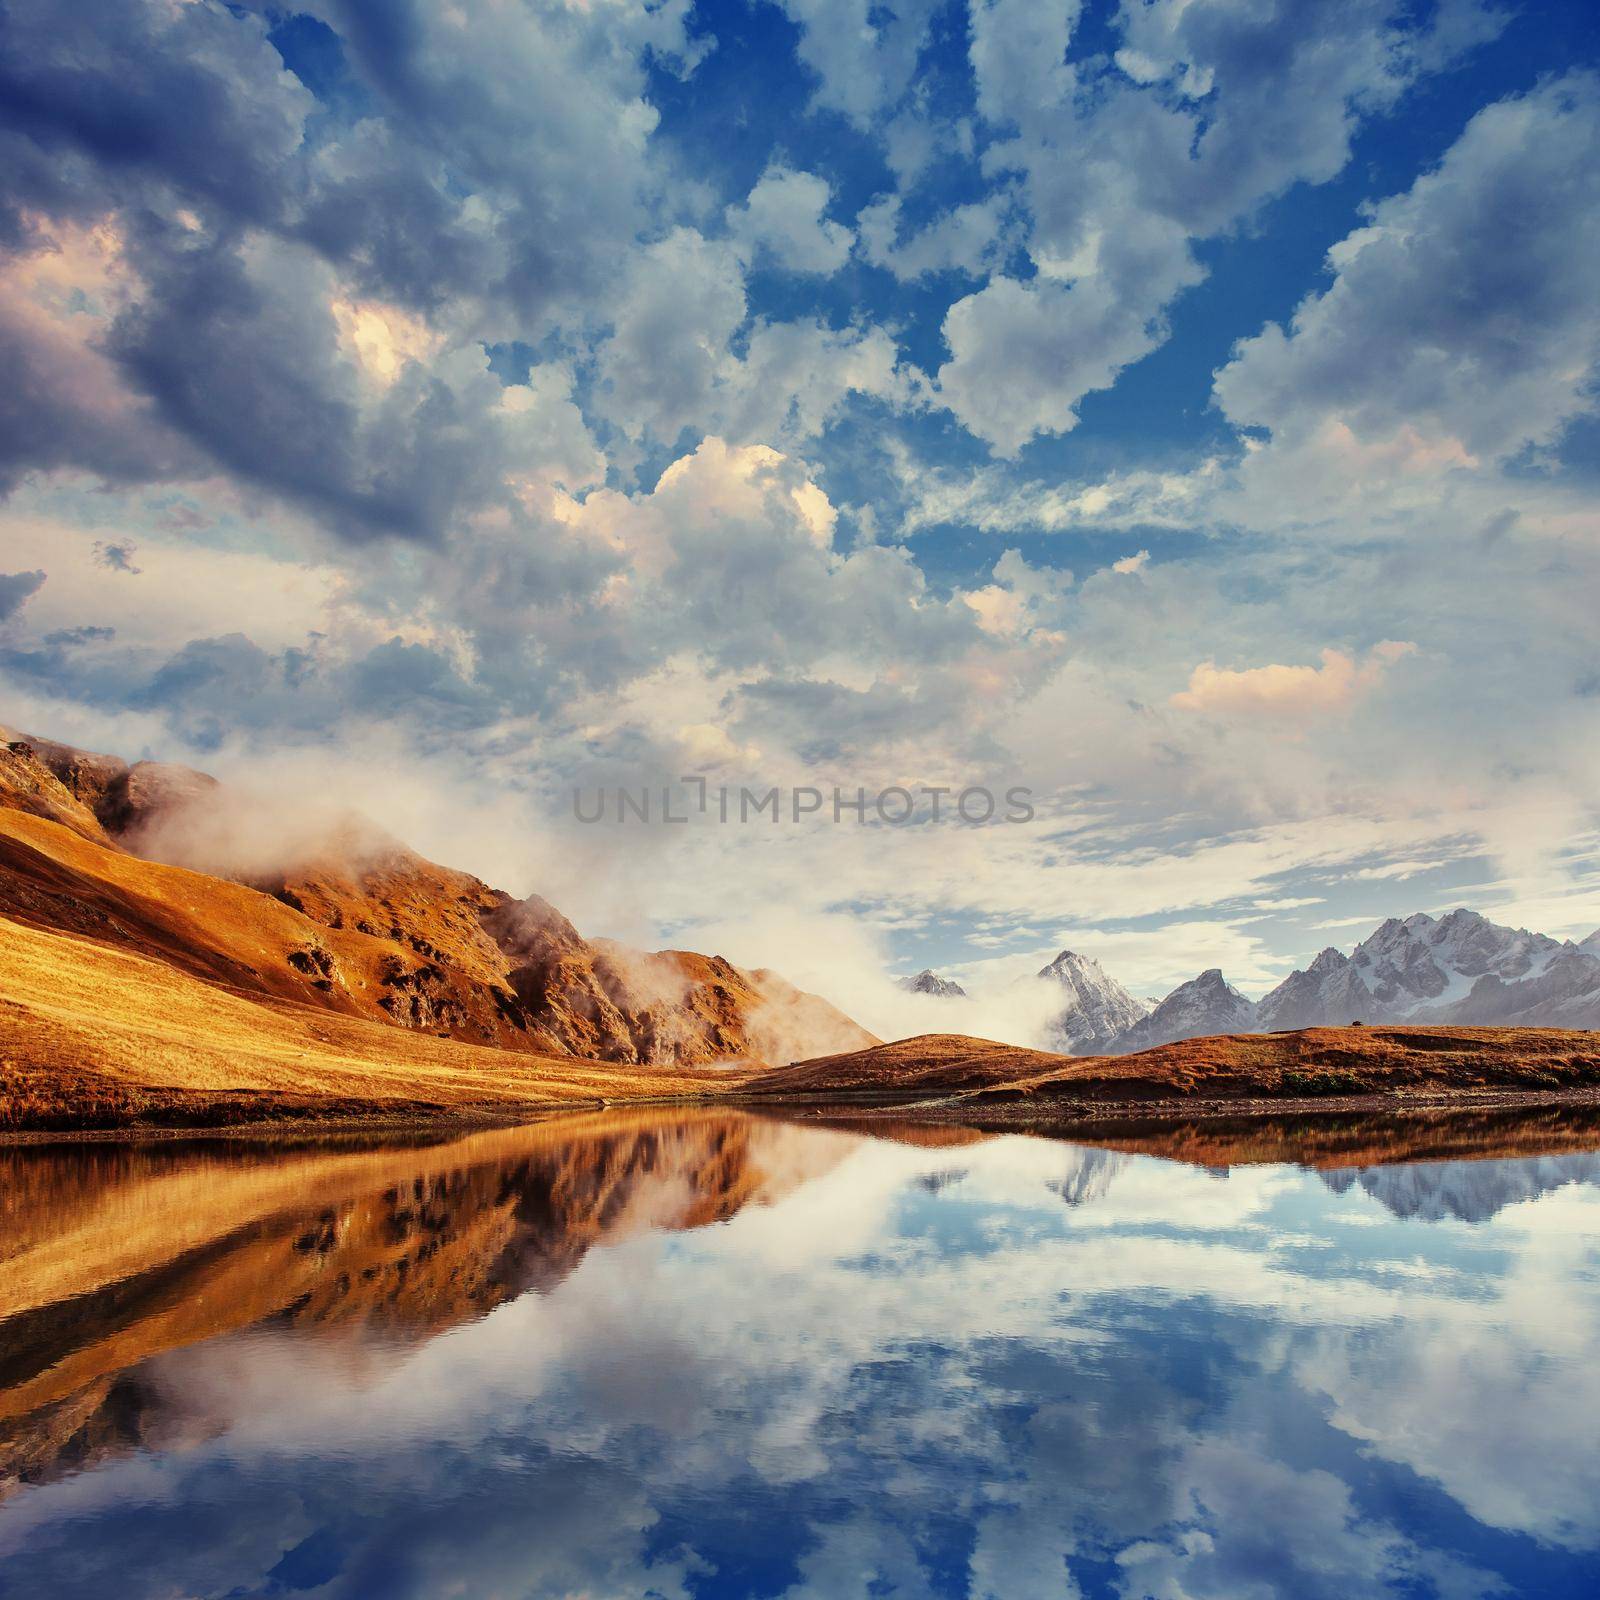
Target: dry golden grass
[[1317, 1063], [91, 1036]]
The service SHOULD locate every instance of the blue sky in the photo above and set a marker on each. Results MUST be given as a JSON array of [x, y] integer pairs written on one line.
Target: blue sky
[[1186, 411]]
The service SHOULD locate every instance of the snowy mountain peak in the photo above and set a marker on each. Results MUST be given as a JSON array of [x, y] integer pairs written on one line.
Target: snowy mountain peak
[[1330, 993], [1427, 962], [1097, 1008], [1068, 964], [1458, 968], [929, 982], [1206, 1004]]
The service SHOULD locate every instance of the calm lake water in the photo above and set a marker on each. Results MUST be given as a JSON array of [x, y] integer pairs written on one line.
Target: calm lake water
[[710, 1355]]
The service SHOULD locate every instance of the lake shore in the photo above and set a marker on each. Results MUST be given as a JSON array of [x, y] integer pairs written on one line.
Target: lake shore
[[94, 1040]]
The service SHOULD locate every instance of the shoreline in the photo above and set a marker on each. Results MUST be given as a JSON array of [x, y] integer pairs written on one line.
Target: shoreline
[[978, 1112]]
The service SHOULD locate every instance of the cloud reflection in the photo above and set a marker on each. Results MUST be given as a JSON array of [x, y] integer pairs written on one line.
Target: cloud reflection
[[775, 1361]]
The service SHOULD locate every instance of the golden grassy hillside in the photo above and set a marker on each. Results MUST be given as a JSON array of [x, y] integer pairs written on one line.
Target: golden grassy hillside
[[321, 906], [92, 1036]]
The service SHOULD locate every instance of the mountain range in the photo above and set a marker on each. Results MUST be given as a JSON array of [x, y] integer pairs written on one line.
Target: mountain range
[[176, 951], [1459, 969]]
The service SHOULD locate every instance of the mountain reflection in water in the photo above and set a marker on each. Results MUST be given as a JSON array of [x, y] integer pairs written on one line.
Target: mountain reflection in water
[[708, 1354]]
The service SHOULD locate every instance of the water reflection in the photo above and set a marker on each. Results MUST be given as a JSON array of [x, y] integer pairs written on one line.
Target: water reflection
[[704, 1354]]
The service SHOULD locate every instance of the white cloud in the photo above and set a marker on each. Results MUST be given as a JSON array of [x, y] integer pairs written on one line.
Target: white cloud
[[670, 363], [967, 238], [784, 214], [1120, 182], [1462, 323], [1023, 354], [863, 54]]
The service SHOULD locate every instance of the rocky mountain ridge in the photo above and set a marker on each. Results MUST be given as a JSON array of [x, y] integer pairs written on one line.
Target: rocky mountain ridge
[[343, 916], [1459, 969], [1097, 1008]]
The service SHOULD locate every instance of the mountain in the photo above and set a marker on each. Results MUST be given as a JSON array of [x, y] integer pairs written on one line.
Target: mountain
[[929, 982], [1467, 1191], [1096, 1009], [1330, 993], [1459, 968], [1204, 1005], [321, 907], [1426, 962], [1563, 993]]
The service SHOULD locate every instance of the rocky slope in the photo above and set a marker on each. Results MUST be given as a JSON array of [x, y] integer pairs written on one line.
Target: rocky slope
[[1204, 1005], [1096, 1008], [1329, 993], [329, 910], [93, 1035]]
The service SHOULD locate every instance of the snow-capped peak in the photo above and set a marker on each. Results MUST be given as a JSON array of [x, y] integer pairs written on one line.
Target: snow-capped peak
[[1097, 1008], [1328, 993], [1206, 1004], [1425, 961], [929, 982]]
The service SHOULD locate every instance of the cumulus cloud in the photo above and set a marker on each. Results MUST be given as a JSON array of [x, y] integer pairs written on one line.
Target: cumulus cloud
[[969, 239], [1288, 691], [1193, 138], [863, 54], [1023, 354], [1462, 322], [670, 363], [784, 215]]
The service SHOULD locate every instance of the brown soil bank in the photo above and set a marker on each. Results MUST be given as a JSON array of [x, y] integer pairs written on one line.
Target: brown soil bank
[[1315, 1065]]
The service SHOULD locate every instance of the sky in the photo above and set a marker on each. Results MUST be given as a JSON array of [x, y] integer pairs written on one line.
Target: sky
[[1185, 411]]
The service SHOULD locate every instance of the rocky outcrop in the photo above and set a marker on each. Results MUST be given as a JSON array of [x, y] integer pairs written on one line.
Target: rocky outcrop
[[28, 785]]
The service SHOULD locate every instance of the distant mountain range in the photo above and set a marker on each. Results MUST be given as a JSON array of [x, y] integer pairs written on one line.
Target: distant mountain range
[[1460, 968]]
